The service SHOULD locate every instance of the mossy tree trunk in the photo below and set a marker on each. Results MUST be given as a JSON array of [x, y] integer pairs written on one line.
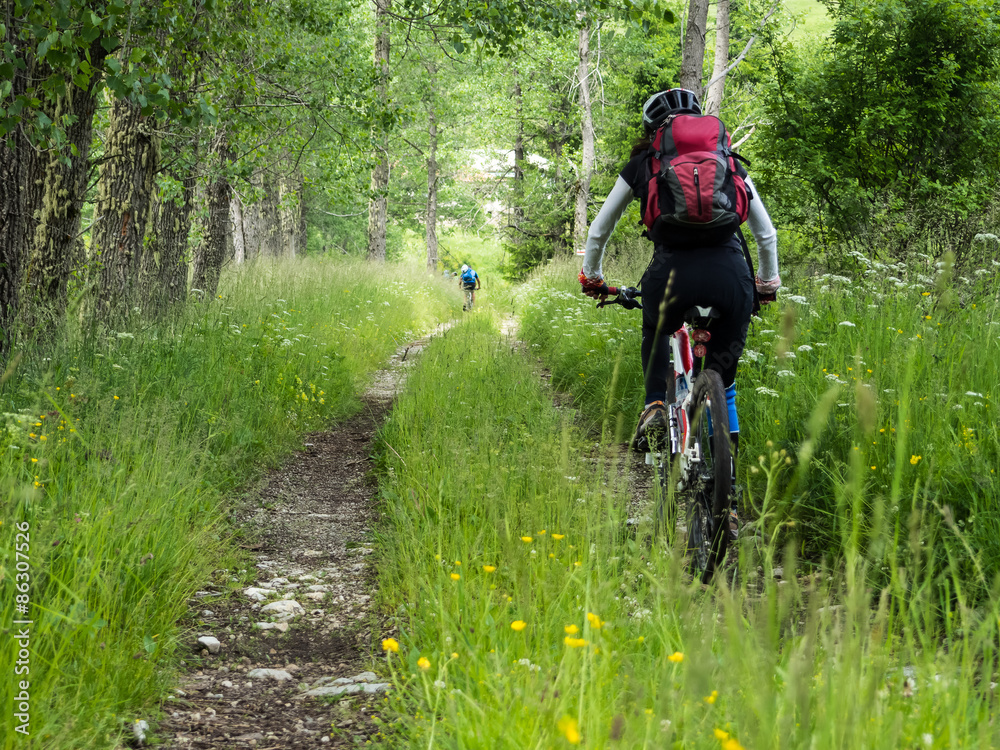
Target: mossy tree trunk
[[58, 190], [166, 270], [215, 243], [124, 207]]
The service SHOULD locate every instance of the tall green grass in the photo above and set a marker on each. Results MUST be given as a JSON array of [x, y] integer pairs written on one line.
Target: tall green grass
[[531, 615], [120, 453], [904, 360]]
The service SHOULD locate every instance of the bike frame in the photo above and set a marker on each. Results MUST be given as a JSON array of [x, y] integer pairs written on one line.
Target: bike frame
[[686, 368]]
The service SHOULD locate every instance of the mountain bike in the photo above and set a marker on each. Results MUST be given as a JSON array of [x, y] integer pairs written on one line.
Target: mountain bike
[[695, 457], [470, 297]]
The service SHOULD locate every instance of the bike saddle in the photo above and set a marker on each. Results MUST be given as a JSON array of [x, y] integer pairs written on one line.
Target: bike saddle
[[699, 316]]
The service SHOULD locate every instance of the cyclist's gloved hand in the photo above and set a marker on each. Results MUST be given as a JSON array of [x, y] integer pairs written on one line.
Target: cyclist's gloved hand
[[767, 291], [595, 288]]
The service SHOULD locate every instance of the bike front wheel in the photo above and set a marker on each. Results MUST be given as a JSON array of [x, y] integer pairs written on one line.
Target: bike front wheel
[[711, 464]]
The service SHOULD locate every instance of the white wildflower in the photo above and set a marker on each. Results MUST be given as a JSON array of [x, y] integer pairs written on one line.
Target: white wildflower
[[785, 374], [846, 324], [765, 391], [805, 348]]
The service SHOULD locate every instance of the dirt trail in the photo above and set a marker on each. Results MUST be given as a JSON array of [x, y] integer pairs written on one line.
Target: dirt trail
[[313, 522]]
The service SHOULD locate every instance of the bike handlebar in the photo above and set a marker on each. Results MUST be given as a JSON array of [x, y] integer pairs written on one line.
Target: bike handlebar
[[624, 296]]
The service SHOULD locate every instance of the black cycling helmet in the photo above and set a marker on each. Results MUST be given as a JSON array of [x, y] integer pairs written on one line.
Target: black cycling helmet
[[670, 102]]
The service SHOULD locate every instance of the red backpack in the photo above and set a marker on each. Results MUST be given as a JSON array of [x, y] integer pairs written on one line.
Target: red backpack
[[695, 193]]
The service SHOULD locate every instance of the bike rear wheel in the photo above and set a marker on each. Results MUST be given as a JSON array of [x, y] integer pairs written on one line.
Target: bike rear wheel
[[708, 506]]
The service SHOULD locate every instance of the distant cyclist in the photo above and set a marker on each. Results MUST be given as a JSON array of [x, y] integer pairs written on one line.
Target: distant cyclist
[[469, 281], [707, 269]]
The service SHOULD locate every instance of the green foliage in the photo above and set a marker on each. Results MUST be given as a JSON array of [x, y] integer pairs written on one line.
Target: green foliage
[[891, 122], [122, 456]]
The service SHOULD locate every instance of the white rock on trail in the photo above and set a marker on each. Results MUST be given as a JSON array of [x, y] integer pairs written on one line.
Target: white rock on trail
[[212, 644], [351, 689], [281, 627], [270, 674], [283, 608], [257, 594]]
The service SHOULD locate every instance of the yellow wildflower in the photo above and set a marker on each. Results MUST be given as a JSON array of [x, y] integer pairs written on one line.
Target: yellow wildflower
[[526, 539], [568, 728], [489, 568], [710, 699], [574, 642], [557, 537], [594, 620], [572, 629], [424, 663], [390, 644], [721, 735], [915, 459], [518, 625], [455, 576], [677, 657]]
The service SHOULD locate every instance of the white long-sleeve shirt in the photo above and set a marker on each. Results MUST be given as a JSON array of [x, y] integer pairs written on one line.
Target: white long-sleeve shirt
[[621, 195]]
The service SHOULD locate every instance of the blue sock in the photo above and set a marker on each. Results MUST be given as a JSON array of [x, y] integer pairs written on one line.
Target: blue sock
[[734, 421]]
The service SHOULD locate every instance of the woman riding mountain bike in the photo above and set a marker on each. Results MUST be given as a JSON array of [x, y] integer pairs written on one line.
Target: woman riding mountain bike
[[696, 262]]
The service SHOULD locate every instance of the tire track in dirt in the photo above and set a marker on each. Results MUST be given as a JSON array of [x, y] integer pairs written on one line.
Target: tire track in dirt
[[312, 523]]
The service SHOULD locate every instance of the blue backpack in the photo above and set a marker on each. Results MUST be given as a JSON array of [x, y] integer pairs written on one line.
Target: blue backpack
[[468, 276]]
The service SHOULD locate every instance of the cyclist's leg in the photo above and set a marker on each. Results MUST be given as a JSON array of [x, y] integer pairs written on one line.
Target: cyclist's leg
[[658, 323]]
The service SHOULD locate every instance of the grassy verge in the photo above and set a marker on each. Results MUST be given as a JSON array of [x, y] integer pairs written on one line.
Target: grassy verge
[[118, 455], [888, 378], [530, 617]]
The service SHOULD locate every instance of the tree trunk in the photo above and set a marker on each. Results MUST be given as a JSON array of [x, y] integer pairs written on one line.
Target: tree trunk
[[214, 244], [253, 223], [518, 153], [378, 203], [716, 91], [56, 245], [301, 231], [270, 216], [693, 57], [239, 238], [432, 175], [587, 160], [125, 192], [167, 263], [291, 212], [13, 239]]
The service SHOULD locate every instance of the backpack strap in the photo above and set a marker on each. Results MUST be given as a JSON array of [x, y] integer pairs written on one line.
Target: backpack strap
[[755, 310]]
